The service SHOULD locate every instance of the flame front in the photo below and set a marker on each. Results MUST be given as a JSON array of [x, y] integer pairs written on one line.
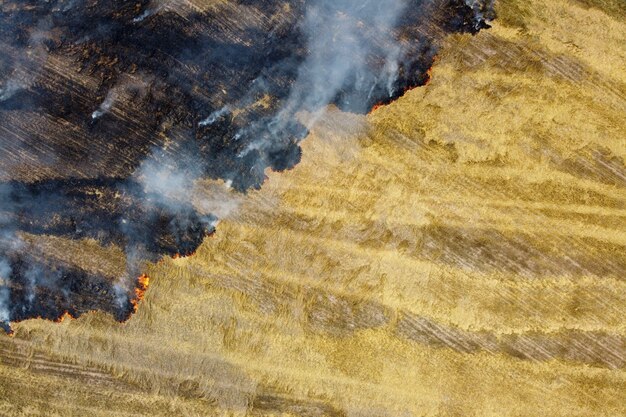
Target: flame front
[[140, 290], [377, 106], [181, 256], [64, 316]]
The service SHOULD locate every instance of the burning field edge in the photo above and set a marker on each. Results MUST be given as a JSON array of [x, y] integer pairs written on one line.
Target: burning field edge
[[458, 252], [222, 100]]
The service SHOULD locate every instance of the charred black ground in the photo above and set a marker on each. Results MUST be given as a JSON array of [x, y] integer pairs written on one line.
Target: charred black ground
[[90, 90]]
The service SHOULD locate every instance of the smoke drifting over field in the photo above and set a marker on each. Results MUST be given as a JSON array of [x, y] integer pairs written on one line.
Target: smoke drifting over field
[[110, 111]]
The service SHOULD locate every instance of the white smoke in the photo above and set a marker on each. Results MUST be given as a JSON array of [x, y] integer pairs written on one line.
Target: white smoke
[[213, 117], [154, 7], [479, 7], [171, 185], [106, 105], [137, 83], [338, 49], [217, 198], [28, 66], [65, 5], [164, 180], [342, 36], [12, 86], [5, 306]]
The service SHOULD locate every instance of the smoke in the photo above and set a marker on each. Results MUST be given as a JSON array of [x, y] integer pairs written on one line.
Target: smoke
[[213, 117], [154, 7], [135, 85], [12, 86], [106, 105], [65, 5], [217, 198], [343, 38], [167, 183], [357, 56], [175, 184], [8, 242], [483, 12], [5, 274], [25, 69]]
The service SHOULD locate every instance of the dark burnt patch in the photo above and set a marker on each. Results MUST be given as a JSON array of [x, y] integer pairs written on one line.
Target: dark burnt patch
[[49, 291], [112, 211]]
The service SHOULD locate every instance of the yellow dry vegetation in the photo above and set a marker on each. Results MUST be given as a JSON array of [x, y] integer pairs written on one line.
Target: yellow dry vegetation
[[459, 252]]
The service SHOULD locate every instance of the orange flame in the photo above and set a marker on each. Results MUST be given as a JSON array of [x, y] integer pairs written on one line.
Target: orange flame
[[377, 106], [179, 256], [429, 73], [143, 281], [64, 316], [428, 78], [140, 290]]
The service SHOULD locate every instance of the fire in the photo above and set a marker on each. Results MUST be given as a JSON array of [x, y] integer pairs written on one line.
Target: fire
[[64, 316], [179, 256], [429, 73], [140, 290], [143, 281], [141, 286], [377, 106], [427, 78]]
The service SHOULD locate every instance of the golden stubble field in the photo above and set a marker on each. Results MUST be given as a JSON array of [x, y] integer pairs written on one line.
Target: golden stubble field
[[457, 253]]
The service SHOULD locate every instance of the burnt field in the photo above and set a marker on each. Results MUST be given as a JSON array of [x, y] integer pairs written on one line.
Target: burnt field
[[110, 110]]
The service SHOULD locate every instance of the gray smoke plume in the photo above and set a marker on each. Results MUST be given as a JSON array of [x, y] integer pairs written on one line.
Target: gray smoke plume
[[153, 8], [166, 182], [214, 117], [356, 53], [483, 11], [9, 243], [342, 39], [135, 85], [5, 274], [106, 105], [27, 67], [12, 86], [342, 36]]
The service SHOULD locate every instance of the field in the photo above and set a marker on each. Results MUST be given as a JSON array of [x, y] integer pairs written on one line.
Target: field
[[459, 252]]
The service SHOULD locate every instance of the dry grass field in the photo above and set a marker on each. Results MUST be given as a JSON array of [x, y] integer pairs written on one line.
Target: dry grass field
[[459, 252]]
